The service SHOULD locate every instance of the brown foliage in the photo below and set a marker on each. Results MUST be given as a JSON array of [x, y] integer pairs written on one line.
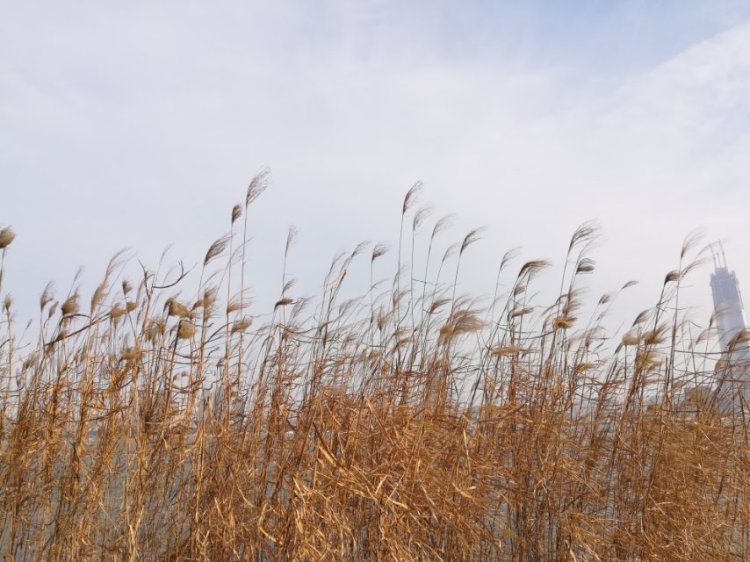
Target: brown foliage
[[378, 428]]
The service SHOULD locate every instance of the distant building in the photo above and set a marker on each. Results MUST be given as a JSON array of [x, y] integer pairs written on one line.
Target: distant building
[[733, 368]]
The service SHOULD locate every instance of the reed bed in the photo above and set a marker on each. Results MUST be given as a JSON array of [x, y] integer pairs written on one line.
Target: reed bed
[[155, 421]]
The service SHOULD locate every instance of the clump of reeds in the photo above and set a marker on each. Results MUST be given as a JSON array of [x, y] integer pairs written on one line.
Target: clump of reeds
[[411, 423]]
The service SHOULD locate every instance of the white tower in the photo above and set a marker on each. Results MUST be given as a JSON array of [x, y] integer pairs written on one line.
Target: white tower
[[729, 314]]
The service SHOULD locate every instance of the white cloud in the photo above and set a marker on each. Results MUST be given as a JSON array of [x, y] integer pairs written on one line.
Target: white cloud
[[140, 128]]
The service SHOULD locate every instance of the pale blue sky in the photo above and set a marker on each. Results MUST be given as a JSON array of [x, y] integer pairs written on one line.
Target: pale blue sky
[[139, 125]]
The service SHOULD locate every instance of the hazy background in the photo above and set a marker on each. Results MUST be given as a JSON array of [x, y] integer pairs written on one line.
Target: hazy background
[[139, 125]]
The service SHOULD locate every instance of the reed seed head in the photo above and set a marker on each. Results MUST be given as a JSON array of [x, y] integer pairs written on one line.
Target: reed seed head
[[236, 213], [175, 308], [6, 237], [215, 250], [241, 325], [257, 186], [411, 197], [379, 250], [70, 306], [185, 329]]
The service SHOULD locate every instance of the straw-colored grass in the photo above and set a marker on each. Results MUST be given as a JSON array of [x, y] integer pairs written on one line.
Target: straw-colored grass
[[408, 424]]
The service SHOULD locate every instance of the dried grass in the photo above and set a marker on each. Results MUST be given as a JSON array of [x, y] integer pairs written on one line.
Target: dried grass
[[390, 427]]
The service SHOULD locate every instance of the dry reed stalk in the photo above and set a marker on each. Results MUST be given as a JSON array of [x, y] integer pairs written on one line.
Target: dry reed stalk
[[160, 430]]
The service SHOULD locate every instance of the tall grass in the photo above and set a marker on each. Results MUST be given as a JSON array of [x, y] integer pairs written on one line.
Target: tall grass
[[410, 423]]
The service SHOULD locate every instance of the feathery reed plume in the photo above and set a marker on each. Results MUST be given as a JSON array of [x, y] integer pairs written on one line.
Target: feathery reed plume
[[379, 250], [411, 197], [235, 304], [283, 302], [585, 265], [384, 425], [241, 325], [70, 306], [584, 234], [176, 308], [257, 186], [6, 237], [291, 236], [215, 250], [470, 238], [420, 216], [672, 276], [46, 297], [236, 213]]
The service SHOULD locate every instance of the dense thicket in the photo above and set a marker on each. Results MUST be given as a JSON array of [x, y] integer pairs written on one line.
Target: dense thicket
[[408, 424]]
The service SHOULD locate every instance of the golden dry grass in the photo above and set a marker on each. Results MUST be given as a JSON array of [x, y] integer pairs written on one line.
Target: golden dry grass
[[408, 424]]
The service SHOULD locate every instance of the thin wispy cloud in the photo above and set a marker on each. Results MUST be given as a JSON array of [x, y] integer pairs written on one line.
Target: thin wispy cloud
[[139, 127]]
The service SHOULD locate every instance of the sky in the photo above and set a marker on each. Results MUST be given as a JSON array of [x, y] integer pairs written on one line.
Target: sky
[[138, 125]]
